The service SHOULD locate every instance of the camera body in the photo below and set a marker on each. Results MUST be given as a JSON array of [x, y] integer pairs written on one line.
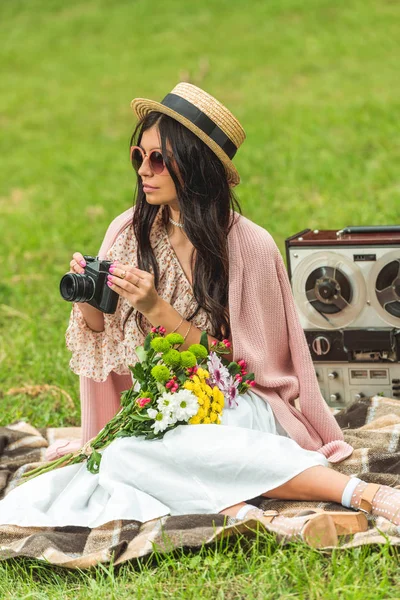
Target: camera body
[[90, 286]]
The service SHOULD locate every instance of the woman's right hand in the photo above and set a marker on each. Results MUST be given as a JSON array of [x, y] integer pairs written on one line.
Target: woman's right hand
[[77, 263], [94, 318]]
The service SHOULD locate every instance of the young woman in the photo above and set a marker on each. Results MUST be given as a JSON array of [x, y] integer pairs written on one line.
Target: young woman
[[184, 259]]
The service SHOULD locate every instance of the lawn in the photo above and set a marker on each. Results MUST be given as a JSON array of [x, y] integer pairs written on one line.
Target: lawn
[[315, 85]]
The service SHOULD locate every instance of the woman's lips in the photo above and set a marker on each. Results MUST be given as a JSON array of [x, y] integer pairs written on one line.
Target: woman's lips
[[148, 188]]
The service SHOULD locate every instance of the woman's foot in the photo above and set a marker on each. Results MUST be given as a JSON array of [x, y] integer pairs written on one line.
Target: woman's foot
[[377, 500], [316, 529]]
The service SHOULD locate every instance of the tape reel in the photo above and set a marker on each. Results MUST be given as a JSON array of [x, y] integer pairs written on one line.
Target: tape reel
[[329, 290], [384, 281]]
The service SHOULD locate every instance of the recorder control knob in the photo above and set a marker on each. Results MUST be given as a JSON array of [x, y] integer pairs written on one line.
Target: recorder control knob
[[321, 345], [332, 375], [334, 397]]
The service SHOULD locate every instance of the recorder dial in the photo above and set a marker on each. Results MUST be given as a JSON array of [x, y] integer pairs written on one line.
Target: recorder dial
[[321, 345]]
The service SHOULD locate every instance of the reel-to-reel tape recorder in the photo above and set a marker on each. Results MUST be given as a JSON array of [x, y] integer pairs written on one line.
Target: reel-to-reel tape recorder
[[346, 286]]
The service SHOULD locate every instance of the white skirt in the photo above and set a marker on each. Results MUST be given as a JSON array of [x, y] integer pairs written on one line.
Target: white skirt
[[192, 469]]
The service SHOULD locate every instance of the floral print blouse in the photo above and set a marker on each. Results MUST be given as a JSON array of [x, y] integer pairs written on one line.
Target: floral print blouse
[[96, 354]]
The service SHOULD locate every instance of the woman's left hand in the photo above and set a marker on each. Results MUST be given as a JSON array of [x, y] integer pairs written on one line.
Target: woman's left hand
[[135, 285]]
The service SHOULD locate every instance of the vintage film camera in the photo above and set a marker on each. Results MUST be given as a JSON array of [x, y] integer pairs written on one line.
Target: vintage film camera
[[346, 286], [90, 286]]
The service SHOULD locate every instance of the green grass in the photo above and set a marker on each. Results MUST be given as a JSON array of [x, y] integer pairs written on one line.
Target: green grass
[[316, 87], [249, 570]]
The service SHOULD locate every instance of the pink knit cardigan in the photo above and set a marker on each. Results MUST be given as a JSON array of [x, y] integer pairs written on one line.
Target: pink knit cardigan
[[266, 332]]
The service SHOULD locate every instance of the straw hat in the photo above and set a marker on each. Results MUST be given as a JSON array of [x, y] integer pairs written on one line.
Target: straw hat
[[210, 120]]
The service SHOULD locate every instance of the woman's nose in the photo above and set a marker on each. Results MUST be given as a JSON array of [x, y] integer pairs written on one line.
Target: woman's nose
[[144, 169]]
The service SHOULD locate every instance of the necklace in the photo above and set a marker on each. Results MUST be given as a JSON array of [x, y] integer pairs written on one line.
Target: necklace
[[175, 223]]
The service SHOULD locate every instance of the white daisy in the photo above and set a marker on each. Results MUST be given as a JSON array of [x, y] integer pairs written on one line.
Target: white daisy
[[166, 402], [161, 422], [152, 412], [185, 405]]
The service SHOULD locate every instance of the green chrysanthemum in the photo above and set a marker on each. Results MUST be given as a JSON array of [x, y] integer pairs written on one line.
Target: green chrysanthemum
[[172, 358], [161, 373], [160, 344], [174, 338], [188, 359], [198, 350]]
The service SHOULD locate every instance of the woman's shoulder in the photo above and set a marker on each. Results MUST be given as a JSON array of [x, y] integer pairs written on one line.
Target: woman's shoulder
[[116, 227], [250, 235], [121, 221]]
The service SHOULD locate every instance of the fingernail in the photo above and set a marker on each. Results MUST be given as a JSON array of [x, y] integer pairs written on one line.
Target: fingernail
[[111, 269], [109, 277], [83, 263], [109, 283]]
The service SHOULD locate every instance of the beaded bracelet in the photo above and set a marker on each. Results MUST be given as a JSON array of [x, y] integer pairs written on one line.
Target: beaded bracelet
[[177, 327]]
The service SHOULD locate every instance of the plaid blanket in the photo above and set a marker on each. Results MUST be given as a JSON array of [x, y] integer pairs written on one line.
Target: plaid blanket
[[371, 426]]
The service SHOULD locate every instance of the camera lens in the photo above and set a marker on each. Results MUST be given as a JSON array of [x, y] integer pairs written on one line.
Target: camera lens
[[76, 287]]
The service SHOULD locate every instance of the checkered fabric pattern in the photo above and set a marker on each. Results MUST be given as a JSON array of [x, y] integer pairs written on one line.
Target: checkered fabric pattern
[[371, 426]]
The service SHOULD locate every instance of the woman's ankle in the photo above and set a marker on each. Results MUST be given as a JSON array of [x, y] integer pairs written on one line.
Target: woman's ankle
[[232, 511]]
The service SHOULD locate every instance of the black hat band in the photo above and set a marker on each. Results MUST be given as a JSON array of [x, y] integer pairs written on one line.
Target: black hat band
[[202, 121]]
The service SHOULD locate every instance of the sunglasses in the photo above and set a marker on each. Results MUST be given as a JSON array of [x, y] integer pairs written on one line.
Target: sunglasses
[[156, 160]]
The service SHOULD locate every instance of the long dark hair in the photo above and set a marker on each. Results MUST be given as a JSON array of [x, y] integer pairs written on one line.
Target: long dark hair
[[206, 204]]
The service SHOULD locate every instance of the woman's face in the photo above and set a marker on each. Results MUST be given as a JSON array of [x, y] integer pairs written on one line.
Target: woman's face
[[159, 189]]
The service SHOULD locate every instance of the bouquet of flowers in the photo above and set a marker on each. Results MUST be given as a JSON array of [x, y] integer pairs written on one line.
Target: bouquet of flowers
[[171, 388]]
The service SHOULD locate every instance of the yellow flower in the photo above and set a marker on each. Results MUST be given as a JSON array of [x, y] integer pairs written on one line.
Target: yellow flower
[[195, 420], [197, 389], [213, 417], [206, 420], [202, 373], [188, 385], [206, 405], [196, 379], [216, 407], [218, 421], [201, 413], [207, 389], [216, 392]]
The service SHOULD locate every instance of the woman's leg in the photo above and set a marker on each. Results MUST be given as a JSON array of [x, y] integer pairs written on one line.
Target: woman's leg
[[316, 483], [320, 484]]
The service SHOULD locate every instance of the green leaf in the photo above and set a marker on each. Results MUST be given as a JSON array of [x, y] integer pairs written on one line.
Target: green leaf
[[138, 372], [234, 368], [141, 353], [123, 433], [204, 340], [147, 341], [160, 387], [93, 462], [141, 418]]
